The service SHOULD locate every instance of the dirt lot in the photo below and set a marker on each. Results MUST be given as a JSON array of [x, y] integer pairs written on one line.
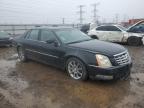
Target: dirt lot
[[35, 85]]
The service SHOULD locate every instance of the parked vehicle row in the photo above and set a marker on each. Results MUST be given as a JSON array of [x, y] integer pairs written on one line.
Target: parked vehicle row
[[116, 33], [137, 28], [77, 53], [5, 39]]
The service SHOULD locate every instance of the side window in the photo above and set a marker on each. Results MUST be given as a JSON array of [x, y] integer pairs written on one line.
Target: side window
[[138, 28], [102, 28], [134, 29], [33, 35], [113, 28], [26, 35], [47, 35]]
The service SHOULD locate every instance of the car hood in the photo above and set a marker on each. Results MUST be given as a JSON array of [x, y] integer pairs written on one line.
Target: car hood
[[4, 38], [129, 34], [96, 46], [136, 34]]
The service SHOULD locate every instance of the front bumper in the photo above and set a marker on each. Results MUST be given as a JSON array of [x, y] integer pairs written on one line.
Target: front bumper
[[143, 40], [5, 42], [117, 72]]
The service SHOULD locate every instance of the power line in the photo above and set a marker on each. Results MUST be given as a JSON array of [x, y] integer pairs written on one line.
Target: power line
[[28, 4], [20, 5], [19, 12], [95, 16], [81, 13]]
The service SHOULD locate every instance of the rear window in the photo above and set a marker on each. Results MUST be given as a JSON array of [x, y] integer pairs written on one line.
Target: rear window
[[3, 34], [32, 35]]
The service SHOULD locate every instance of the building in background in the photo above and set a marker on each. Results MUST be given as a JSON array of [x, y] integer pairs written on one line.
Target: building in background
[[131, 22]]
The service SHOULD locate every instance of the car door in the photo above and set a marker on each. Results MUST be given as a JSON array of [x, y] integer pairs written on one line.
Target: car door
[[101, 33], [31, 44], [114, 34], [51, 53]]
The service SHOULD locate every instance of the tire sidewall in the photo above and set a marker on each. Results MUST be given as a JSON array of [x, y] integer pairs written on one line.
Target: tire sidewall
[[18, 51], [134, 41], [94, 37], [84, 74]]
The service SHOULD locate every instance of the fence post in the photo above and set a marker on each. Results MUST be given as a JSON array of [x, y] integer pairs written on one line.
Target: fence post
[[77, 26], [25, 26], [13, 29]]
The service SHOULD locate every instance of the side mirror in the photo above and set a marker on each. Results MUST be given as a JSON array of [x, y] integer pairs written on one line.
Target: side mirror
[[53, 41], [50, 41]]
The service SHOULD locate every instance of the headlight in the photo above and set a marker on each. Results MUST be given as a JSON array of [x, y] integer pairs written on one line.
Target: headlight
[[103, 61], [11, 38]]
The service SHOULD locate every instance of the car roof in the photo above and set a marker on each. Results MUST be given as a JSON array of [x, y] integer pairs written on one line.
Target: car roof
[[106, 25], [53, 28], [111, 25]]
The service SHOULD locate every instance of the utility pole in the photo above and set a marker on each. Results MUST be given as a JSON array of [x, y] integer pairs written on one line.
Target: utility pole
[[81, 13], [63, 20], [116, 18], [95, 16]]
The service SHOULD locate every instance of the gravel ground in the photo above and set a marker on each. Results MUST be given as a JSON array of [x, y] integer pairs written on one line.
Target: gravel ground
[[35, 85]]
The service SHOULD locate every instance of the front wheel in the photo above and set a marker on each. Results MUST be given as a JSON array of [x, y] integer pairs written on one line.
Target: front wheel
[[21, 54], [134, 41], [76, 69]]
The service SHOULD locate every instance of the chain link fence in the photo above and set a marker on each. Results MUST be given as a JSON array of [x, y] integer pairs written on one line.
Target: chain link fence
[[17, 29]]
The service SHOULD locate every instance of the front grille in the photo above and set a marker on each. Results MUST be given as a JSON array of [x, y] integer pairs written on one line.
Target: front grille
[[122, 58]]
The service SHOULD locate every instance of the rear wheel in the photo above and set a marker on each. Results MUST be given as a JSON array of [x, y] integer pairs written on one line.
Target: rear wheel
[[21, 54], [134, 41], [76, 69], [94, 37]]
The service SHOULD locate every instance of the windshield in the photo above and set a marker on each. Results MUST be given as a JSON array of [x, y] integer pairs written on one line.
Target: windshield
[[3, 34], [71, 36], [122, 28]]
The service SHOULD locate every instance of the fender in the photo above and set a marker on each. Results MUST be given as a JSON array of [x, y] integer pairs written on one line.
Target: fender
[[128, 35]]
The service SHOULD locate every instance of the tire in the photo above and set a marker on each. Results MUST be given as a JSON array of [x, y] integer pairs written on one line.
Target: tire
[[76, 69], [21, 54], [134, 41], [94, 37]]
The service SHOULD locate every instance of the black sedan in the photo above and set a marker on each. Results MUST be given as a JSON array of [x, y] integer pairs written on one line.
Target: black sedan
[[75, 52], [5, 39]]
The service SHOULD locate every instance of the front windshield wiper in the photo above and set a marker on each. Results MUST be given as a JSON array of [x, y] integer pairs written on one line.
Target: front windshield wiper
[[79, 41]]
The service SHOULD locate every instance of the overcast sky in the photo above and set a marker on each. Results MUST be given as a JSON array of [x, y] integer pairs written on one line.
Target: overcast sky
[[52, 11]]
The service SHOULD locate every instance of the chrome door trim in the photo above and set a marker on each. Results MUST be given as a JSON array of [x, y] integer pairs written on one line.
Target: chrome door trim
[[42, 53]]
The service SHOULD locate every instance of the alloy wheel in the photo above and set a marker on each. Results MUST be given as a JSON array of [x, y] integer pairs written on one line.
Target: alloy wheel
[[75, 69]]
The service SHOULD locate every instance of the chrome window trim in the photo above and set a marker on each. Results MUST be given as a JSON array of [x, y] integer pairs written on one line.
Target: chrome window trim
[[120, 53], [36, 40], [42, 53], [43, 41]]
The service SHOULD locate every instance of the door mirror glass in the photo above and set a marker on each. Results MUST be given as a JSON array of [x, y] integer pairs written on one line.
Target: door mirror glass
[[54, 42], [33, 35], [50, 41]]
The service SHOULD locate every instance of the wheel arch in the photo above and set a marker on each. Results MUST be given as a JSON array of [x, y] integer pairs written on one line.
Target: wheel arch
[[18, 45], [94, 36], [138, 37], [74, 56]]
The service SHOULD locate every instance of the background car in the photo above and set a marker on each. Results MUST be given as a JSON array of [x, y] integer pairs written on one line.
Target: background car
[[137, 28], [5, 39], [116, 33], [85, 28], [75, 52]]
